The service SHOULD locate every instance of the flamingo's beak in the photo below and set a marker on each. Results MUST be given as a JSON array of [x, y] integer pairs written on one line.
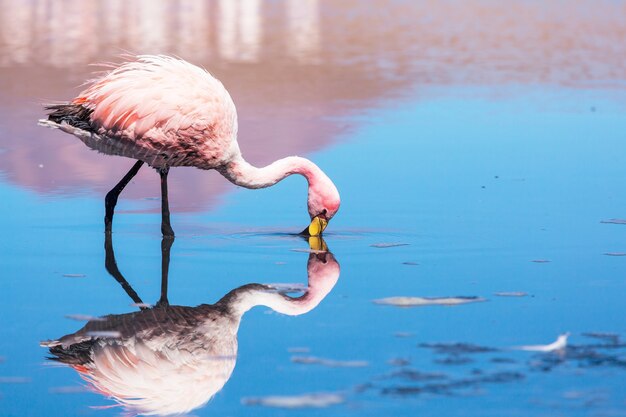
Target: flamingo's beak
[[317, 226], [317, 244]]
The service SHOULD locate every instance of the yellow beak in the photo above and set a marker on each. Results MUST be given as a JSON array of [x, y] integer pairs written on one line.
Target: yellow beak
[[317, 226], [317, 244]]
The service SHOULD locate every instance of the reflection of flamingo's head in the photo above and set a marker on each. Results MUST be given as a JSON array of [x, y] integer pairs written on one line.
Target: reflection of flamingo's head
[[323, 270]]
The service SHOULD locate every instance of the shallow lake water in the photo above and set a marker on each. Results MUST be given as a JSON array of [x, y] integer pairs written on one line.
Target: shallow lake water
[[479, 151]]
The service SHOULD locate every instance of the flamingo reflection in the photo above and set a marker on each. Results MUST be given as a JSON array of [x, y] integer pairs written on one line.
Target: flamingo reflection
[[168, 359]]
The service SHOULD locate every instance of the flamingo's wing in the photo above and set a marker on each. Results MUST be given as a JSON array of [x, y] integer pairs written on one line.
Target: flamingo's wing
[[147, 324], [161, 110], [157, 92]]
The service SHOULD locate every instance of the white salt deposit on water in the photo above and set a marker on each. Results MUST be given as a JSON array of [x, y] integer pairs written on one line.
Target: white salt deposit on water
[[312, 400], [511, 294], [312, 360], [388, 244], [558, 345], [427, 301]]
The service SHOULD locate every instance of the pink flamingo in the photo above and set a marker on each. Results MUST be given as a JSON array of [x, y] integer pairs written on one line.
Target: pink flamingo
[[166, 112]]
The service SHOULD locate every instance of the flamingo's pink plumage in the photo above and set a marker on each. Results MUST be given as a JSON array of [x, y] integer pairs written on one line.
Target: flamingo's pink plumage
[[167, 112]]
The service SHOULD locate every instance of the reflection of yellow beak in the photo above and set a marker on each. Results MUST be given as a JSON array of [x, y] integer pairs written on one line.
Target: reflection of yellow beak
[[317, 244], [317, 226]]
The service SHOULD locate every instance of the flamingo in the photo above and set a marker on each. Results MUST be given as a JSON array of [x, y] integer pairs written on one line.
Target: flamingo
[[168, 359], [166, 112]]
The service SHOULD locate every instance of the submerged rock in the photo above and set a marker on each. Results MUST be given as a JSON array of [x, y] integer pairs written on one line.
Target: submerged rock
[[614, 221], [398, 362], [613, 338], [454, 360], [455, 386], [457, 348], [415, 375]]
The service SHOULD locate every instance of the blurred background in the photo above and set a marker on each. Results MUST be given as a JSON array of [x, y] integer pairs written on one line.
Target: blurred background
[[479, 150], [294, 68]]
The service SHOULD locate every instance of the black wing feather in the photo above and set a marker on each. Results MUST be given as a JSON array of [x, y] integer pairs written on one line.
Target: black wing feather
[[72, 114]]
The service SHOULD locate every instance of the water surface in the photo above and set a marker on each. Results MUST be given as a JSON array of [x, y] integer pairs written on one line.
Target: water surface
[[478, 150]]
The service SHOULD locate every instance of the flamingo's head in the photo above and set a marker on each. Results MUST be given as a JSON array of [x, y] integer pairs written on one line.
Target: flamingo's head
[[323, 204]]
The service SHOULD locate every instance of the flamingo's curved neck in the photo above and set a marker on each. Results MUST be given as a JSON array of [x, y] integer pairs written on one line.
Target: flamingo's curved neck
[[241, 173]]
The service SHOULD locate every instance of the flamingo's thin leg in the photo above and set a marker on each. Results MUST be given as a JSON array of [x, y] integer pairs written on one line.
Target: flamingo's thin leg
[[111, 266], [111, 198], [166, 245], [166, 227]]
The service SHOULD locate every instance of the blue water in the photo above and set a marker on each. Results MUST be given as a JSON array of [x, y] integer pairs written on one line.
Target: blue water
[[478, 187]]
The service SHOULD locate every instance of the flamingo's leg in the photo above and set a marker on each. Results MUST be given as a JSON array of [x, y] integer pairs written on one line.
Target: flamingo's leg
[[166, 245], [111, 198], [111, 266], [166, 227]]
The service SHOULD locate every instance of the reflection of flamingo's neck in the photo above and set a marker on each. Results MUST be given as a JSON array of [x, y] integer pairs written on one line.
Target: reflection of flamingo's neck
[[323, 274], [242, 299], [241, 173]]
